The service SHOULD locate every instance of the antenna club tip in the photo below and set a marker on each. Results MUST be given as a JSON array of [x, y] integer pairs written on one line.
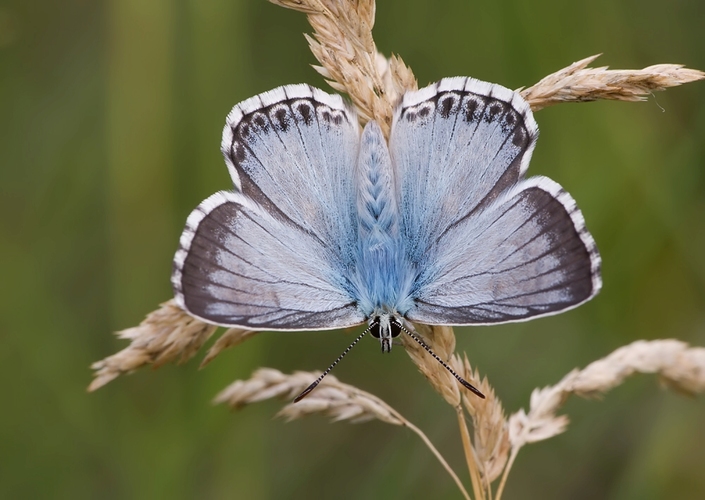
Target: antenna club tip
[[473, 389], [306, 392]]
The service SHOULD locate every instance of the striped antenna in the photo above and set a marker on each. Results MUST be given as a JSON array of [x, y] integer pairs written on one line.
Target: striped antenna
[[460, 379], [318, 380]]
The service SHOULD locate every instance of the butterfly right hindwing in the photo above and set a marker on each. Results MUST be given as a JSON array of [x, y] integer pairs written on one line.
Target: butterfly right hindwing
[[275, 253]]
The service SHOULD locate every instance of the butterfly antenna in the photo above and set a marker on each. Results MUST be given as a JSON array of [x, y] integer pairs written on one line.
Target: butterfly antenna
[[460, 379], [318, 380]]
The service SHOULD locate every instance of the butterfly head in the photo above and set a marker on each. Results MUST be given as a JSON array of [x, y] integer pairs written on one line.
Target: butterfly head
[[385, 326]]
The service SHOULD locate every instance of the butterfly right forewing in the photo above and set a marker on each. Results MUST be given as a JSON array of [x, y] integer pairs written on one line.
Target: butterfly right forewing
[[274, 254]]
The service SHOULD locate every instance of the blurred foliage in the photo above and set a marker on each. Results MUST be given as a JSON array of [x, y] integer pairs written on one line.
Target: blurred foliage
[[110, 122]]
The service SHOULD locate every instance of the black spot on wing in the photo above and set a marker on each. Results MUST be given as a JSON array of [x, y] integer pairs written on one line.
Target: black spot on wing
[[520, 137], [473, 107], [494, 111], [237, 153], [331, 116], [447, 103], [305, 111], [260, 120], [242, 131], [281, 117], [511, 118]]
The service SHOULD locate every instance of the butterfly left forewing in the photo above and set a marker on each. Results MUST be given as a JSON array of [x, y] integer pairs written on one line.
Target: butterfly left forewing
[[525, 255], [274, 254]]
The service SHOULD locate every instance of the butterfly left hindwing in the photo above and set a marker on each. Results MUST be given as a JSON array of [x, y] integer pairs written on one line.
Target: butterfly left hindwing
[[490, 247]]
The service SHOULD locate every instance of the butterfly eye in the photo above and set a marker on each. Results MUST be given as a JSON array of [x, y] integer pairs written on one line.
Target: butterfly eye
[[395, 327], [375, 330]]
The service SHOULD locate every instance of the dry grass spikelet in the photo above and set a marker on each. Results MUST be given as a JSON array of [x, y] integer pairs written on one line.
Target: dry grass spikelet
[[578, 83], [332, 398], [165, 335], [441, 340], [490, 427], [679, 366], [488, 452], [231, 338], [342, 43]]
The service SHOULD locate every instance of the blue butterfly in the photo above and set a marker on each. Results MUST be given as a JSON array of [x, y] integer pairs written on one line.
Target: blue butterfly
[[329, 226]]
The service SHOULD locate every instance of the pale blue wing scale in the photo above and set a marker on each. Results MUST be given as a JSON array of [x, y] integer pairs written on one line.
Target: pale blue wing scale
[[455, 146], [293, 151], [240, 265], [526, 254]]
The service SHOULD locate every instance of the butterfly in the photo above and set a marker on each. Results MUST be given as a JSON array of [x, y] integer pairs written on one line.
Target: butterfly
[[330, 225]]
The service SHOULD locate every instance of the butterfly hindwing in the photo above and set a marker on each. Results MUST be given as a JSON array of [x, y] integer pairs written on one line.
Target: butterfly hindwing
[[490, 247], [528, 254], [293, 151], [273, 253], [456, 145]]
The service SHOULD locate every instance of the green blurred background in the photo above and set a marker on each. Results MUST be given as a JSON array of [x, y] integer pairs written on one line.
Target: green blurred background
[[110, 121]]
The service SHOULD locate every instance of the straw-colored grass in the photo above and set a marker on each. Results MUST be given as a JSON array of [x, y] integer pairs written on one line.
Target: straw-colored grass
[[331, 398], [166, 335], [342, 42], [578, 83]]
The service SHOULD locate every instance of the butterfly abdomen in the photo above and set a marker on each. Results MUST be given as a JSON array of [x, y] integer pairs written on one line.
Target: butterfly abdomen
[[380, 260], [376, 204]]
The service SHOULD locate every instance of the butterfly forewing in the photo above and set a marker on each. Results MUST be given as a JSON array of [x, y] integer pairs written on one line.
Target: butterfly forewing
[[489, 246], [273, 254], [527, 254]]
